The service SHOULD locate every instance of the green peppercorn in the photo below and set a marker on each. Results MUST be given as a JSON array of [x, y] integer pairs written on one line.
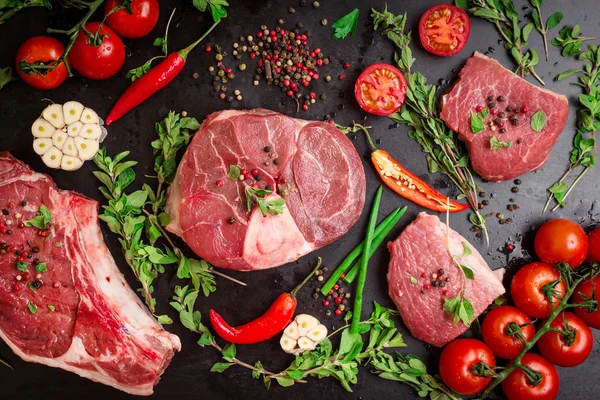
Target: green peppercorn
[[221, 73], [328, 78], [242, 67], [219, 57]]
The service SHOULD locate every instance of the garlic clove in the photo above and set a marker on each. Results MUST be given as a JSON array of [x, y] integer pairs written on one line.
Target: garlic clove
[[42, 145], [305, 344], [89, 116], [52, 158], [72, 111], [69, 163], [42, 128], [287, 343], [317, 334], [306, 323], [292, 330], [87, 148], [59, 138], [74, 129], [90, 131], [54, 114], [69, 148]]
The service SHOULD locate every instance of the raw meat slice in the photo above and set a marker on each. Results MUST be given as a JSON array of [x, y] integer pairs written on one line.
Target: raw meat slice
[[484, 77], [83, 318], [422, 249], [313, 161]]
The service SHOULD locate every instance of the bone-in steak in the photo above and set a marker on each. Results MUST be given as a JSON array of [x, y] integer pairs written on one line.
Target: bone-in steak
[[311, 164], [79, 314], [482, 78]]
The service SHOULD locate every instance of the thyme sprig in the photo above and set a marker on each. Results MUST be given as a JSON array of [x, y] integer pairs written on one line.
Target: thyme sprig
[[443, 151], [544, 26], [9, 8], [570, 40], [6, 76]]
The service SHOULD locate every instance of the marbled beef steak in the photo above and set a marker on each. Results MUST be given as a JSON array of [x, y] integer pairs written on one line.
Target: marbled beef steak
[[313, 162], [80, 315], [482, 78], [422, 250]]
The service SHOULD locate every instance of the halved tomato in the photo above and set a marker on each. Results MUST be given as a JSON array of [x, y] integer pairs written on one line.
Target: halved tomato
[[380, 89], [444, 30]]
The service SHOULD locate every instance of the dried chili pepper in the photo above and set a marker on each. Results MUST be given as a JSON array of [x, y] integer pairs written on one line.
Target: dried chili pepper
[[157, 78], [407, 184], [277, 317]]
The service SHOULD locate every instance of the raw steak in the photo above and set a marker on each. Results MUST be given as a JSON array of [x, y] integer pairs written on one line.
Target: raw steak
[[313, 161], [83, 318], [484, 77], [421, 249]]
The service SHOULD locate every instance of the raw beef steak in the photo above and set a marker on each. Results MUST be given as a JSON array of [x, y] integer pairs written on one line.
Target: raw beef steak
[[311, 164], [483, 81], [63, 301], [421, 250]]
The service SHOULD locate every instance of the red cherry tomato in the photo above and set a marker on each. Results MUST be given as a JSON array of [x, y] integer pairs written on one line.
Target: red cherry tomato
[[495, 330], [444, 30], [380, 89], [567, 350], [457, 361], [527, 287], [594, 247], [517, 385], [41, 48], [138, 23], [561, 240], [587, 288], [98, 61]]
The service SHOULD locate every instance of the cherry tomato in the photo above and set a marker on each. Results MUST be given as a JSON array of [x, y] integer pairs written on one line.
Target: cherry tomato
[[41, 48], [527, 291], [138, 23], [517, 385], [586, 288], [457, 361], [444, 30], [380, 89], [567, 350], [495, 327], [561, 240], [98, 61], [594, 247]]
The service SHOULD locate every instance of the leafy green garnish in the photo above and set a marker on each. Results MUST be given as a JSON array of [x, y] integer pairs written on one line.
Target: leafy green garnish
[[42, 219], [6, 76], [468, 272], [413, 280], [216, 7], [466, 250], [540, 25], [8, 8], [538, 121], [21, 265], [266, 206], [496, 144], [345, 25], [32, 307], [477, 124], [570, 40], [41, 267], [51, 308], [234, 172], [460, 309]]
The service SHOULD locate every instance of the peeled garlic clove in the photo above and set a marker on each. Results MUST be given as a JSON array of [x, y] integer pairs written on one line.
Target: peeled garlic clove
[[53, 157], [72, 111], [87, 148], [287, 343], [305, 344], [306, 323], [69, 163], [42, 145], [89, 116], [59, 138], [292, 330], [42, 128], [69, 148], [90, 131], [317, 334], [74, 129], [54, 114]]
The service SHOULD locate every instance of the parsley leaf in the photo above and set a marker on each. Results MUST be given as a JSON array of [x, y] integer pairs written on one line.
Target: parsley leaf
[[538, 121], [497, 144], [43, 218], [345, 25]]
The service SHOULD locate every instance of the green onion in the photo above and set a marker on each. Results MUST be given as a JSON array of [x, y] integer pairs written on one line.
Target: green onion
[[384, 227], [362, 277], [377, 241]]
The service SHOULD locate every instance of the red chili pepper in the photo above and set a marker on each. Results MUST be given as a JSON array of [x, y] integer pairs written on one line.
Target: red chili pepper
[[277, 317], [157, 78], [407, 184]]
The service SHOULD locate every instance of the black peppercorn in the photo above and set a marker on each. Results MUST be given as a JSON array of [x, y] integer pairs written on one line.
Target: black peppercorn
[[441, 271], [268, 187], [18, 252], [442, 284], [490, 98], [501, 115], [276, 161], [23, 203], [4, 211], [517, 182], [508, 108], [435, 283], [515, 121], [267, 149], [35, 249], [515, 190], [258, 178], [231, 220], [486, 202], [36, 284], [447, 279], [500, 99], [502, 130]]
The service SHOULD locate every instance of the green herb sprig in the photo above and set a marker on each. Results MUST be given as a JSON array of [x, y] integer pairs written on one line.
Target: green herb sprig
[[583, 155], [9, 8], [544, 27], [346, 25], [216, 8], [42, 219], [503, 14], [254, 195], [443, 151], [570, 40], [497, 144], [6, 76]]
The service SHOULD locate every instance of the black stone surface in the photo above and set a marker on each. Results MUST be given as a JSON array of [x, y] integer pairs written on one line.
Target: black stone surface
[[188, 377]]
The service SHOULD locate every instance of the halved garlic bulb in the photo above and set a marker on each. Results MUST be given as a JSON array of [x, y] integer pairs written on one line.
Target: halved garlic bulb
[[304, 333]]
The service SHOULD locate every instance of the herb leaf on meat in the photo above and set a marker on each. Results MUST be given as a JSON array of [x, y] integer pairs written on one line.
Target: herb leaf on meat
[[345, 25], [476, 123], [496, 144], [538, 121], [42, 219], [273, 207]]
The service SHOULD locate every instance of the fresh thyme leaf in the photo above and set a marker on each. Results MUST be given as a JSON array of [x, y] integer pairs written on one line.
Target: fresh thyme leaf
[[42, 219], [234, 172], [538, 121], [41, 267], [6, 75], [476, 123], [570, 39], [554, 20], [58, 244], [413, 280], [32, 307], [220, 366], [468, 272], [21, 266], [51, 307], [466, 250], [567, 74], [496, 144], [345, 25]]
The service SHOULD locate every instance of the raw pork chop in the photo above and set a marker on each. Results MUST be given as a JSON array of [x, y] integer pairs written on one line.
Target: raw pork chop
[[80, 315], [484, 77], [421, 249], [313, 162]]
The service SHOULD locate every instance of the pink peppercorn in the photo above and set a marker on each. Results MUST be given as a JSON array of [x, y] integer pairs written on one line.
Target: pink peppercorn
[[525, 109], [494, 111], [56, 285], [341, 77], [479, 109], [246, 176], [338, 312], [326, 303], [331, 291], [16, 287], [208, 48], [254, 172], [343, 276], [510, 246], [219, 182], [501, 124], [338, 300], [346, 65], [446, 292], [305, 107], [427, 286]]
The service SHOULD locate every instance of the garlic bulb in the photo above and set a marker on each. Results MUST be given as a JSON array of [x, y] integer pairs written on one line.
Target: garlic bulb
[[304, 333]]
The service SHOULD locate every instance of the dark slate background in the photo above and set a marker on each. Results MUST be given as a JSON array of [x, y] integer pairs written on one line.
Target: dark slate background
[[188, 377]]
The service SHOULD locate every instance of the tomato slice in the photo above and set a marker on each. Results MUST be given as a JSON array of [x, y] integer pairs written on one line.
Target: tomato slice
[[444, 30], [380, 89]]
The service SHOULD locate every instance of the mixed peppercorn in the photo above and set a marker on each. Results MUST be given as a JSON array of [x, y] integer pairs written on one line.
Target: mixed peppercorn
[[501, 115], [337, 297]]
